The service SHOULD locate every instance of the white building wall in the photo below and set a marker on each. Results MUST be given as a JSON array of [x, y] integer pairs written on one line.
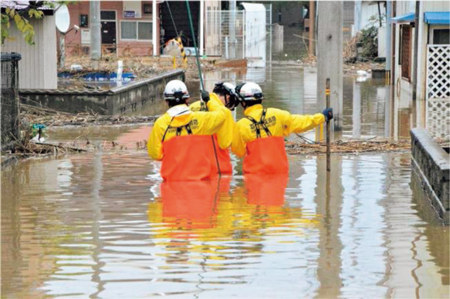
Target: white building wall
[[38, 67]]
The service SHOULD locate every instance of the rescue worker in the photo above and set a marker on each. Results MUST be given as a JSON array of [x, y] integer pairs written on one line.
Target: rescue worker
[[225, 92], [181, 139], [259, 136]]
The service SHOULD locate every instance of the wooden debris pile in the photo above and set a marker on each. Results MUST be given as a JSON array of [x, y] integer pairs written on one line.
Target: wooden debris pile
[[348, 147], [50, 117]]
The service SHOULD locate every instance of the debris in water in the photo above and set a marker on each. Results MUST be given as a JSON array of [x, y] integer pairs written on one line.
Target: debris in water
[[348, 147]]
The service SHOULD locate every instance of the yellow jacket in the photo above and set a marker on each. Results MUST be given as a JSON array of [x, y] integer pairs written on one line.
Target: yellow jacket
[[225, 133], [279, 122], [201, 123]]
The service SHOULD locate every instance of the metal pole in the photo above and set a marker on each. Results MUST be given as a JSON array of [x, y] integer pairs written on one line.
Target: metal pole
[[202, 15], [96, 37], [312, 20], [232, 29], [327, 94], [154, 29], [415, 65]]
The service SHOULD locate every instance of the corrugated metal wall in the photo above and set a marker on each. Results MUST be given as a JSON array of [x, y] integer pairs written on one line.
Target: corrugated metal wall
[[38, 67]]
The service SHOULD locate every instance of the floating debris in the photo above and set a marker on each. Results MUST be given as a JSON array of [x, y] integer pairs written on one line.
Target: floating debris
[[348, 147]]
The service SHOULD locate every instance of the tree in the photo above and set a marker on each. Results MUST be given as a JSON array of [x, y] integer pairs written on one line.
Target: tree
[[21, 18]]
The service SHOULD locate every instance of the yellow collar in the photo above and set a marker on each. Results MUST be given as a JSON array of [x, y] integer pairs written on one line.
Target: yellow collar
[[253, 108]]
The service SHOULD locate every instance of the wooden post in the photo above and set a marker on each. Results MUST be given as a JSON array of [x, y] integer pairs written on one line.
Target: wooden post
[[327, 94]]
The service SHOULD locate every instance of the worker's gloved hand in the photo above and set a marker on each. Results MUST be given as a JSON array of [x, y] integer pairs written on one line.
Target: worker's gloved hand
[[328, 113], [205, 95]]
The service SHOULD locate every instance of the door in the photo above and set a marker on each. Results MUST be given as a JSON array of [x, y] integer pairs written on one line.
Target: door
[[108, 32]]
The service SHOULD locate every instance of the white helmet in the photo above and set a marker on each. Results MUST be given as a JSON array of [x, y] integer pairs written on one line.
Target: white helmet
[[176, 90], [250, 91]]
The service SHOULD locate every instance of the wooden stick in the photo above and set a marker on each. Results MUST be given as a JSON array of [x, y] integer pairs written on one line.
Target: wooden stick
[[327, 94]]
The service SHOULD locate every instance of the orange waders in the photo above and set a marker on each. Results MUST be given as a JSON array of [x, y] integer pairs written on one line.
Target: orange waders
[[223, 155], [265, 155], [187, 158]]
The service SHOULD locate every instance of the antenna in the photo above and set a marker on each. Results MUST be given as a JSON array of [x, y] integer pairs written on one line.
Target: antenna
[[62, 19]]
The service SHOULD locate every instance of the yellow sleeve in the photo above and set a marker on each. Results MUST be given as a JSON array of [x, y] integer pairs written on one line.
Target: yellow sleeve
[[239, 146], [211, 121], [301, 123], [225, 134], [154, 144]]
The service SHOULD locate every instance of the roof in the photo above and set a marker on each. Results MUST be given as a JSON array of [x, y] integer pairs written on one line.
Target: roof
[[408, 18], [437, 17]]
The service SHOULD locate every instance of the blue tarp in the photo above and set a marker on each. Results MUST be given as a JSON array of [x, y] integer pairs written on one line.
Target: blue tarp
[[437, 17], [408, 18]]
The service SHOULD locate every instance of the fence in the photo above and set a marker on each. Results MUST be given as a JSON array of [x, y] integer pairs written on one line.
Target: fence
[[438, 91], [10, 99], [226, 33]]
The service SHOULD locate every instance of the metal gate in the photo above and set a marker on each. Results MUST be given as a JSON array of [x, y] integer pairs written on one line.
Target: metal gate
[[9, 99], [438, 91], [225, 34]]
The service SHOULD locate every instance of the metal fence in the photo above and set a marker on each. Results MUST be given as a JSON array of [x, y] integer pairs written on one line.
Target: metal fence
[[10, 99], [225, 33]]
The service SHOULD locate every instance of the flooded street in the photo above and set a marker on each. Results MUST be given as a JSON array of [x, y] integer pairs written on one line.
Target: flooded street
[[104, 225]]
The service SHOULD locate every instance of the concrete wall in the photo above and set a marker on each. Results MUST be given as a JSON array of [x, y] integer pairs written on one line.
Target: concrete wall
[[431, 164], [38, 67], [125, 47], [119, 100]]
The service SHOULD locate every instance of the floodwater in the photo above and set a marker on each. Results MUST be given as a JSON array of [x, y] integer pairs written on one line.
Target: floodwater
[[104, 225]]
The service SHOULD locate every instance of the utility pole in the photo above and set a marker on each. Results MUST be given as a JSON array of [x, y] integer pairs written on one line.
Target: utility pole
[[312, 21], [96, 38], [329, 58]]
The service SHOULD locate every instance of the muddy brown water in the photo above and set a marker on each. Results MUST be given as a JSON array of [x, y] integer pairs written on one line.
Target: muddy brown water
[[104, 225]]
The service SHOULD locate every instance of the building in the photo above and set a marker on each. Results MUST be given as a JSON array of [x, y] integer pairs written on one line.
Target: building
[[420, 71], [38, 66], [127, 28]]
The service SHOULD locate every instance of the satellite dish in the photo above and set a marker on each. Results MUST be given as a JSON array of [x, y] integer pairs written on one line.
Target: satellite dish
[[62, 18]]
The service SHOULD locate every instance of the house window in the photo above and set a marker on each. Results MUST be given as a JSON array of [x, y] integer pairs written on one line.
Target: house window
[[441, 36], [106, 15], [136, 30], [405, 52]]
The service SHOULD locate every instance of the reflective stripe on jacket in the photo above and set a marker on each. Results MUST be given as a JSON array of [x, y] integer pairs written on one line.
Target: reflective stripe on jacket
[[262, 143]]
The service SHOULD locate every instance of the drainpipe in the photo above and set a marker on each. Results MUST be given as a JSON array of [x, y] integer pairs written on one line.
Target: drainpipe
[[416, 67]]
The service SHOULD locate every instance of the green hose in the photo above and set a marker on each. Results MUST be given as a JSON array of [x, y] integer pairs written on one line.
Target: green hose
[[195, 46], [201, 78]]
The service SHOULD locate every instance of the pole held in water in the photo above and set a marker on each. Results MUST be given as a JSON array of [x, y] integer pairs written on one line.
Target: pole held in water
[[327, 95]]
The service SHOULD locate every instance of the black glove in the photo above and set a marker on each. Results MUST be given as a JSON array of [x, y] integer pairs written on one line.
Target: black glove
[[205, 95], [328, 113]]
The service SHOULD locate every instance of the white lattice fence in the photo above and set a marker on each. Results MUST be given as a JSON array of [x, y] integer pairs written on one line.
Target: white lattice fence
[[438, 91]]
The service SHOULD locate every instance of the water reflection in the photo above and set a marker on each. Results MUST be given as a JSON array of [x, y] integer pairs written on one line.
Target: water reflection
[[87, 226]]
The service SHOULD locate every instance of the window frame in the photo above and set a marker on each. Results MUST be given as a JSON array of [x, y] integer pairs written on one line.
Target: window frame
[[435, 27], [406, 70], [137, 31]]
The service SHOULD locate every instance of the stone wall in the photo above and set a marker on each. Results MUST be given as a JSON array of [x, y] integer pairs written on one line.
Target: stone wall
[[118, 100], [431, 164]]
